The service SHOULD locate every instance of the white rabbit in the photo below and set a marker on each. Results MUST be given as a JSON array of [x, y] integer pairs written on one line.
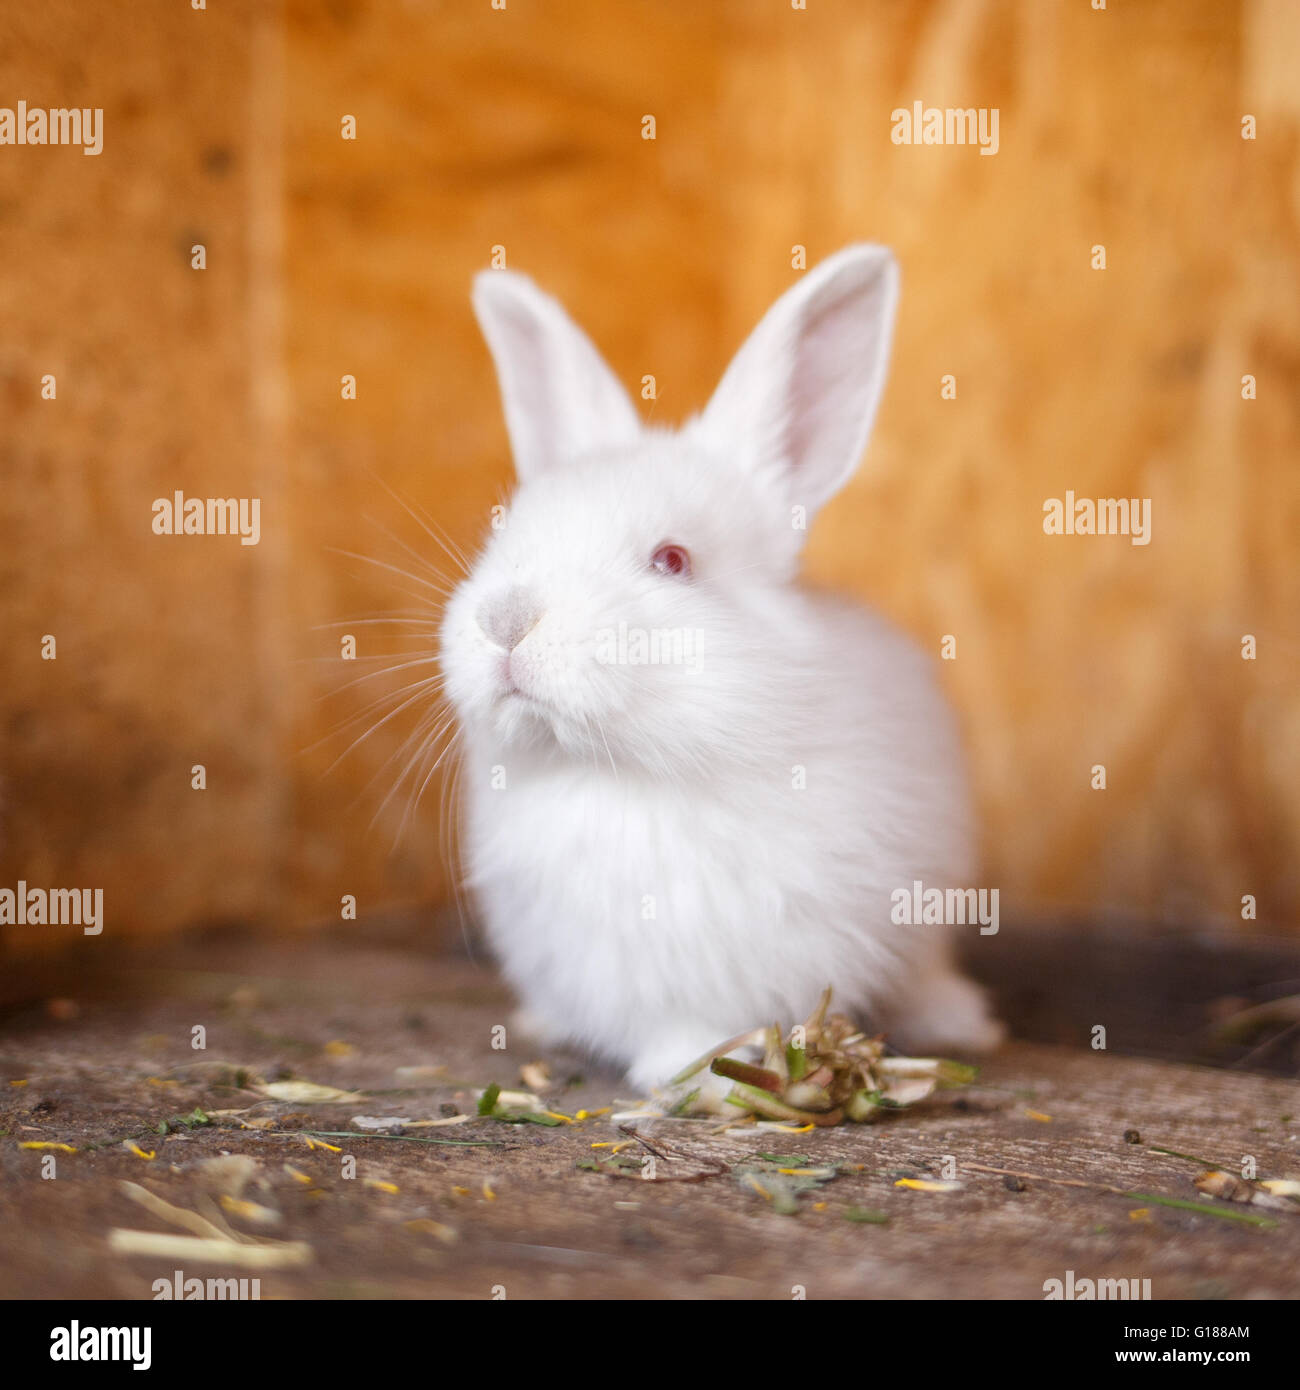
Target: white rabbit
[[692, 784]]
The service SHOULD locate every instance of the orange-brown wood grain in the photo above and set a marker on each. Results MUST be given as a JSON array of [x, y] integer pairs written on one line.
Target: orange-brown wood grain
[[522, 128]]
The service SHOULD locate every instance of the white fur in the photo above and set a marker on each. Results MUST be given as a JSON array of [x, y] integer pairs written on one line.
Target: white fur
[[650, 875]]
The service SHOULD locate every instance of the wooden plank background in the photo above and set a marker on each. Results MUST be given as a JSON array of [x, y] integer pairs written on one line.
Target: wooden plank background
[[521, 128], [163, 657]]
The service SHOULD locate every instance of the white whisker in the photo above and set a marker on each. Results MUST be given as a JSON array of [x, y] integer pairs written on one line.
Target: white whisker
[[392, 569]]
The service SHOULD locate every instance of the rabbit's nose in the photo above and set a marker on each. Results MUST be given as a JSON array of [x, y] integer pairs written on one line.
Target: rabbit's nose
[[508, 617]]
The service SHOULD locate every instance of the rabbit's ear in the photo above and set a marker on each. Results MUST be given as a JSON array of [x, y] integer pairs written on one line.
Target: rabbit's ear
[[799, 398], [560, 398]]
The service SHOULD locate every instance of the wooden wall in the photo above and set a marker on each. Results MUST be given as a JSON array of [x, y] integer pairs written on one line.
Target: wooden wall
[[164, 658], [522, 128]]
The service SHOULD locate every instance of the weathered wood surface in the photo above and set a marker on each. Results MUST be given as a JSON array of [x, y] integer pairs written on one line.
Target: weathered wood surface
[[554, 1230]]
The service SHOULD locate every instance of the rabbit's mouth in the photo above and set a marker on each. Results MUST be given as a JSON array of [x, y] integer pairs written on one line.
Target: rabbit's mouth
[[513, 695], [513, 701], [515, 685]]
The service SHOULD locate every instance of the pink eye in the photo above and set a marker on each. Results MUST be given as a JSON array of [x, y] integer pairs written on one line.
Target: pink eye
[[672, 559]]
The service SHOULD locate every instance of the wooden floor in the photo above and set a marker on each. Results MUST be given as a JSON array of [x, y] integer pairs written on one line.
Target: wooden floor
[[519, 1213]]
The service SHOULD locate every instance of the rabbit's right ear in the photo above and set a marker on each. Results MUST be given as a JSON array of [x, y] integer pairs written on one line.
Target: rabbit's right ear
[[560, 398]]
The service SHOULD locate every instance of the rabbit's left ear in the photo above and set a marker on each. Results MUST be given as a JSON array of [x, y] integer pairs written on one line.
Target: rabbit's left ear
[[799, 398]]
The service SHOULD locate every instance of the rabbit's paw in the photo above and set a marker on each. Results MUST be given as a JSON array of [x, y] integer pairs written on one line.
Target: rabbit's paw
[[666, 1054], [947, 1013], [529, 1025]]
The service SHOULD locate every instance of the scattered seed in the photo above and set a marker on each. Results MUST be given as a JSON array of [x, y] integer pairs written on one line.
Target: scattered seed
[[535, 1075], [195, 1250], [305, 1093], [252, 1212], [425, 1227]]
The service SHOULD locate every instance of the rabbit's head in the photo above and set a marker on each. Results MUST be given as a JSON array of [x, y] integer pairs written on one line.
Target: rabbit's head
[[634, 603]]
